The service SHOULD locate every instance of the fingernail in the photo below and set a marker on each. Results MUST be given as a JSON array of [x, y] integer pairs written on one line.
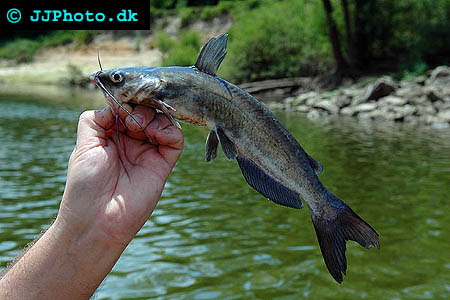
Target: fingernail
[[139, 118]]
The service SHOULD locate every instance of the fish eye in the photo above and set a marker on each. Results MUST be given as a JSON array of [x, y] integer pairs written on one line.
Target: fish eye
[[116, 77]]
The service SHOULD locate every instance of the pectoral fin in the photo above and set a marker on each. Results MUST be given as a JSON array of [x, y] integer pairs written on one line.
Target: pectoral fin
[[266, 185], [317, 166], [228, 147], [211, 146]]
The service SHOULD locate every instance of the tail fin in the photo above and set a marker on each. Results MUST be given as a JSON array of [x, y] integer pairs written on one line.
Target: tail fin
[[332, 234]]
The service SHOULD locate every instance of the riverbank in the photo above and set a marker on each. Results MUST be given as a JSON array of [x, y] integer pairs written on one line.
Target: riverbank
[[423, 100]]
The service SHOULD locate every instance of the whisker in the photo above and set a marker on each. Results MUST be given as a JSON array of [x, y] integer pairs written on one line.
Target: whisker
[[98, 59], [104, 89]]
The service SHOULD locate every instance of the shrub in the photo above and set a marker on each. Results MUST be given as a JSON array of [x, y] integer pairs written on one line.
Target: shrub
[[278, 39], [184, 52], [21, 50], [163, 42]]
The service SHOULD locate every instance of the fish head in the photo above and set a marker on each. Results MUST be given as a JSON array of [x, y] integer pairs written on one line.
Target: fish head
[[127, 85]]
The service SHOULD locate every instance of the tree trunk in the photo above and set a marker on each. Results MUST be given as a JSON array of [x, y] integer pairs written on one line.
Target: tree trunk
[[341, 63], [348, 34]]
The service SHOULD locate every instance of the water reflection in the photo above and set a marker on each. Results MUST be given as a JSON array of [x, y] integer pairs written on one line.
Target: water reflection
[[213, 237]]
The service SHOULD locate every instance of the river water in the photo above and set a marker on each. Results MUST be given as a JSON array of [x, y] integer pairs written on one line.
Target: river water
[[213, 237]]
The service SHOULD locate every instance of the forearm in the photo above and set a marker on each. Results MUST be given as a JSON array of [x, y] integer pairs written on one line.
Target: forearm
[[62, 264]]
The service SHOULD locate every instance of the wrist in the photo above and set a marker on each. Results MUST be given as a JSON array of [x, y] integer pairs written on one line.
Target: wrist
[[65, 263], [85, 235]]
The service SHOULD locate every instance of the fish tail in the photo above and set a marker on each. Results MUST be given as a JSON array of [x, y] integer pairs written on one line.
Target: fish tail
[[333, 232]]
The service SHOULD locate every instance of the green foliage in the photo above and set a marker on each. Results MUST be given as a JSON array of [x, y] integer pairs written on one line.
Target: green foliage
[[178, 53], [180, 56], [278, 39], [409, 33], [188, 15], [23, 50], [211, 12], [163, 42]]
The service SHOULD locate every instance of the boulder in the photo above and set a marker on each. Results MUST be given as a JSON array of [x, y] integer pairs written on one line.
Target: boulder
[[328, 106], [302, 98], [425, 109], [392, 101], [342, 100], [289, 101], [312, 101], [384, 86], [443, 116], [314, 114], [301, 108], [365, 107], [441, 72], [361, 108], [410, 91], [433, 94], [403, 111], [276, 106]]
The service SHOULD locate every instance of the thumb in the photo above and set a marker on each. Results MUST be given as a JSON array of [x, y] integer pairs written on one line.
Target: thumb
[[92, 125]]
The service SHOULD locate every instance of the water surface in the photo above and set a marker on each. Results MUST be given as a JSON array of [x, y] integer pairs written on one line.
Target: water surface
[[213, 237]]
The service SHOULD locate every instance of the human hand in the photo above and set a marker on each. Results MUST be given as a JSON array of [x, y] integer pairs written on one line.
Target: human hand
[[113, 189]]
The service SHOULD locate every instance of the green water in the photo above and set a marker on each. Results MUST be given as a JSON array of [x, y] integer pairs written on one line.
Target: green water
[[213, 237]]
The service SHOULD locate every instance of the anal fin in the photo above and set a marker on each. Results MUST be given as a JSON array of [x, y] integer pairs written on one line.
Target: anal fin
[[266, 185]]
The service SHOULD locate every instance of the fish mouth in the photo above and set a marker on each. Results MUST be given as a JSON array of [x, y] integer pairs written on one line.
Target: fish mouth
[[165, 108], [113, 102]]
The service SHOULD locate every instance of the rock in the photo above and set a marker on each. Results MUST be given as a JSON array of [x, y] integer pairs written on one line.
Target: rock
[[301, 108], [392, 100], [384, 86], [403, 111], [439, 73], [444, 116], [428, 119], [302, 98], [442, 106], [313, 114], [328, 106], [276, 105], [432, 93], [312, 101], [342, 101], [362, 108], [365, 107], [421, 100], [426, 109], [348, 111], [410, 91], [289, 101], [382, 114], [419, 80]]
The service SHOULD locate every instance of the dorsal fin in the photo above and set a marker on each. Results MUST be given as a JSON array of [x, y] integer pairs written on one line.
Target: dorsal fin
[[212, 54]]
